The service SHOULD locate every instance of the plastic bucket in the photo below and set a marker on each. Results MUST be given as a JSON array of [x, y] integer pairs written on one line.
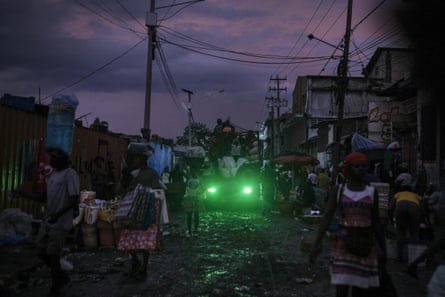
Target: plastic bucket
[[89, 234], [91, 214], [87, 195]]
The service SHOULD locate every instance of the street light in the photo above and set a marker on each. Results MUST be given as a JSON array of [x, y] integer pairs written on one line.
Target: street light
[[341, 92], [311, 37], [189, 108]]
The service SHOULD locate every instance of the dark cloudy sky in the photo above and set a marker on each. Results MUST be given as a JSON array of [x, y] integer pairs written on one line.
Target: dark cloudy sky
[[96, 50]]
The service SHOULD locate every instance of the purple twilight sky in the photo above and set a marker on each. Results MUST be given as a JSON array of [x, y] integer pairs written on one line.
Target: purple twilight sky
[[97, 50]]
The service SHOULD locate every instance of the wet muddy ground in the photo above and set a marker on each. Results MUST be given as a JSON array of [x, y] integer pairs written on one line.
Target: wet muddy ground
[[237, 253]]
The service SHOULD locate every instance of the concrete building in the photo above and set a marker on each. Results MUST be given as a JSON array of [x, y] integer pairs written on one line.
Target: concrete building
[[387, 105]]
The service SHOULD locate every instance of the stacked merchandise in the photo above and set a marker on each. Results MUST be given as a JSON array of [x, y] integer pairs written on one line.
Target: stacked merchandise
[[139, 213]]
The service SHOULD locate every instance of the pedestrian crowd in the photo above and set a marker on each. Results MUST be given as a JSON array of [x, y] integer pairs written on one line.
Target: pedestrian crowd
[[359, 252]]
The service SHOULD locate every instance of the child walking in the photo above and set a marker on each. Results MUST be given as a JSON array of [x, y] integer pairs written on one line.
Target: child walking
[[194, 193]]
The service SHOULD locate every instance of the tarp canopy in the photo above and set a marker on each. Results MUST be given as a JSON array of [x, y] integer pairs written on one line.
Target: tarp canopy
[[161, 157], [189, 151], [360, 143]]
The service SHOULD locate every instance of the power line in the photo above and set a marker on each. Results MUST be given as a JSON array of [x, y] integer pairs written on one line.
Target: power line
[[111, 21], [94, 71], [129, 13], [301, 35]]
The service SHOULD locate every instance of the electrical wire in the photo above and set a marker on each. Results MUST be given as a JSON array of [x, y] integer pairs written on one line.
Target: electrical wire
[[331, 26], [207, 49], [269, 62], [210, 47], [95, 71], [300, 36], [166, 13], [129, 13], [111, 21], [178, 11], [167, 76]]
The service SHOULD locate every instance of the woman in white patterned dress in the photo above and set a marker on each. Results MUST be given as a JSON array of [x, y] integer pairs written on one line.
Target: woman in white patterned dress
[[356, 205]]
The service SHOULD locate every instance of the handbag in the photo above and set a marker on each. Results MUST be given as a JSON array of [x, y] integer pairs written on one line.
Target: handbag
[[359, 240]]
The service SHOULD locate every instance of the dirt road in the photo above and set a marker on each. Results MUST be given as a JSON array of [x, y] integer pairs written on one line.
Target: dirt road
[[235, 254]]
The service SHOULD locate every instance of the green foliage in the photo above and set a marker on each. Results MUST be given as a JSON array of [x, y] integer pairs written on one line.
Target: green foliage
[[201, 136]]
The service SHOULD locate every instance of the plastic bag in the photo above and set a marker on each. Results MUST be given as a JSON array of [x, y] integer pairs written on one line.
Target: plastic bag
[[15, 226], [65, 264]]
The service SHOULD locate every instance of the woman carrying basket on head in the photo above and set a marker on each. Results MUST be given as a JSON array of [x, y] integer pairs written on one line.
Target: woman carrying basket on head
[[140, 176]]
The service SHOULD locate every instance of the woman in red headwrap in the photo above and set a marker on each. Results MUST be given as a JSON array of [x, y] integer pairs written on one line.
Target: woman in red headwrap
[[356, 207]]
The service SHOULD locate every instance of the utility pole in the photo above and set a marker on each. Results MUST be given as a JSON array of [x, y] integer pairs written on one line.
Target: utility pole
[[341, 92], [190, 93], [150, 23], [272, 126], [276, 102]]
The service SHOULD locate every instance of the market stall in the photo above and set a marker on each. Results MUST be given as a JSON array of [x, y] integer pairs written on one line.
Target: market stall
[[295, 162]]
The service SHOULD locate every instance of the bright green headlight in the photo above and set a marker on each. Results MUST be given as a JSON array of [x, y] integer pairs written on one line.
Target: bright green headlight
[[247, 190], [211, 190]]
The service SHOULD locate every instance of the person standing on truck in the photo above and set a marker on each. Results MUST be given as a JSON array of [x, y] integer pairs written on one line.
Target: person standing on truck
[[228, 131], [216, 150], [236, 149]]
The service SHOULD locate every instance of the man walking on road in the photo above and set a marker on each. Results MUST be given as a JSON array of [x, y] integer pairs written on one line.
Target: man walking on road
[[62, 196]]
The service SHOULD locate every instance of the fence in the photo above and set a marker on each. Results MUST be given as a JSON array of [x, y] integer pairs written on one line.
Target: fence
[[20, 135]]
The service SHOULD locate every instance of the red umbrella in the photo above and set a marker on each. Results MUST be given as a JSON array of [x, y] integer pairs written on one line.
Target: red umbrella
[[293, 160], [297, 160]]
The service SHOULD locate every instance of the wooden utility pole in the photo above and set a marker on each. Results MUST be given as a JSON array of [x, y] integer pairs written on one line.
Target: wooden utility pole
[[341, 94], [272, 126], [150, 23], [276, 103], [190, 93]]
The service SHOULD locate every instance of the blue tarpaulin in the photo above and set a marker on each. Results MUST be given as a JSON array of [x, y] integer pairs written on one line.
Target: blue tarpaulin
[[161, 157], [360, 143]]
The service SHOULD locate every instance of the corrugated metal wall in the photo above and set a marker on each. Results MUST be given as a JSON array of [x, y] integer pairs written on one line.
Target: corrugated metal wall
[[20, 134]]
